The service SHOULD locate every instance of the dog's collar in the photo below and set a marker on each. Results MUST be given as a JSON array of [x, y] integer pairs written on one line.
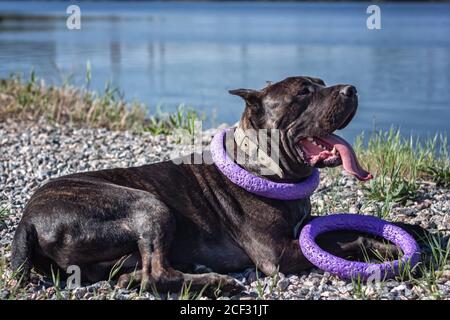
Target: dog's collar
[[252, 149], [255, 184]]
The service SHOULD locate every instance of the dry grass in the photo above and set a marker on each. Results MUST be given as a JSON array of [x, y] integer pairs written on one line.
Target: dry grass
[[33, 99]]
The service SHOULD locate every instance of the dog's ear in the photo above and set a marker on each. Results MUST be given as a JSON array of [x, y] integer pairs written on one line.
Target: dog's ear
[[317, 80], [252, 97]]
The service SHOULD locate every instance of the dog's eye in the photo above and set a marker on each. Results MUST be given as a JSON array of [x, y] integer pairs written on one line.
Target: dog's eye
[[304, 91]]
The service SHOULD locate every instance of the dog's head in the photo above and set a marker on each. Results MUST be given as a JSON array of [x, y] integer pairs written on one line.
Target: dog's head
[[306, 112]]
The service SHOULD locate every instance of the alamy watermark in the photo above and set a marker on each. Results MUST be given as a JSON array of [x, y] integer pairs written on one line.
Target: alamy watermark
[[73, 21], [373, 22], [258, 147], [74, 277]]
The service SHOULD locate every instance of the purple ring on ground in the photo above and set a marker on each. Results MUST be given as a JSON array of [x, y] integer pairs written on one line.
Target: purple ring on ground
[[352, 269], [255, 184]]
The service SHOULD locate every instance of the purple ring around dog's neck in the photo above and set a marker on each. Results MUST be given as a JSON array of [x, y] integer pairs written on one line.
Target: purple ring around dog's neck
[[255, 184]]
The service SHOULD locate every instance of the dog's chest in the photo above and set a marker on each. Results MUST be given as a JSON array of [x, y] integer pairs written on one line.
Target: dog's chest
[[290, 216], [298, 213], [302, 213]]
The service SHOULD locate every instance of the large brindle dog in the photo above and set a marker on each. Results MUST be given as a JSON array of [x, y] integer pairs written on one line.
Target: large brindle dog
[[164, 218]]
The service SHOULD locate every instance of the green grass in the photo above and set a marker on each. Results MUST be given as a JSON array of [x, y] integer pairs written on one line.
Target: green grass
[[359, 288], [10, 280], [117, 267], [265, 288], [427, 274], [32, 99], [183, 118], [398, 163], [57, 285], [433, 264], [4, 213], [260, 286], [187, 294]]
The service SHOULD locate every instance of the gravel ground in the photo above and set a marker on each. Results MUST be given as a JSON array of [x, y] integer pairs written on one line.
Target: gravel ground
[[32, 153]]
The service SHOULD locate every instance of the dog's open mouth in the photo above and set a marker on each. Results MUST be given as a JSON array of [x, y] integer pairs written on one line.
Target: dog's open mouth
[[331, 151]]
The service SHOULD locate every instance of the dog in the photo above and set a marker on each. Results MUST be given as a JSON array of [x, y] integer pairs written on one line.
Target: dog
[[159, 221]]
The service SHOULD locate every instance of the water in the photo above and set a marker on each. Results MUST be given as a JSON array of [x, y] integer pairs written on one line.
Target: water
[[171, 53]]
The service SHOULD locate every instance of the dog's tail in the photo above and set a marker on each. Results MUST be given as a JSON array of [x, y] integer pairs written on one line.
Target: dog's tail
[[23, 245]]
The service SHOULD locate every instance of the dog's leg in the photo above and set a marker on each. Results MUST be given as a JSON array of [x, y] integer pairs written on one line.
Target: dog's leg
[[156, 227], [208, 283], [164, 278], [127, 280], [344, 244], [158, 276]]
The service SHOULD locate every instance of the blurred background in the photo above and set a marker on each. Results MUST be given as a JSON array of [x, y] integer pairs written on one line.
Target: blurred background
[[167, 53]]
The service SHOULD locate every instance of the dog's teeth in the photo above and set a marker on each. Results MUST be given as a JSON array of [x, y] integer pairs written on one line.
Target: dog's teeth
[[334, 150], [310, 139]]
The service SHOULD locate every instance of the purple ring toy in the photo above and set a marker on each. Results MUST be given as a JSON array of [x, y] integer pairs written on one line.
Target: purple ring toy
[[255, 184], [353, 269]]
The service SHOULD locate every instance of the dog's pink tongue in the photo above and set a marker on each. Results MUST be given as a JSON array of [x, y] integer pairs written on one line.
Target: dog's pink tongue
[[348, 156]]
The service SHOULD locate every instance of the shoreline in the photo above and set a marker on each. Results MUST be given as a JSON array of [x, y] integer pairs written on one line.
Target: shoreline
[[35, 151]]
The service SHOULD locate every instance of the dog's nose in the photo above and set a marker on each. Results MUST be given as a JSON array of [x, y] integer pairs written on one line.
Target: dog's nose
[[348, 91]]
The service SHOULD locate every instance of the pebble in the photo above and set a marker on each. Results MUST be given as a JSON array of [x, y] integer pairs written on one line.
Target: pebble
[[283, 284], [4, 294]]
